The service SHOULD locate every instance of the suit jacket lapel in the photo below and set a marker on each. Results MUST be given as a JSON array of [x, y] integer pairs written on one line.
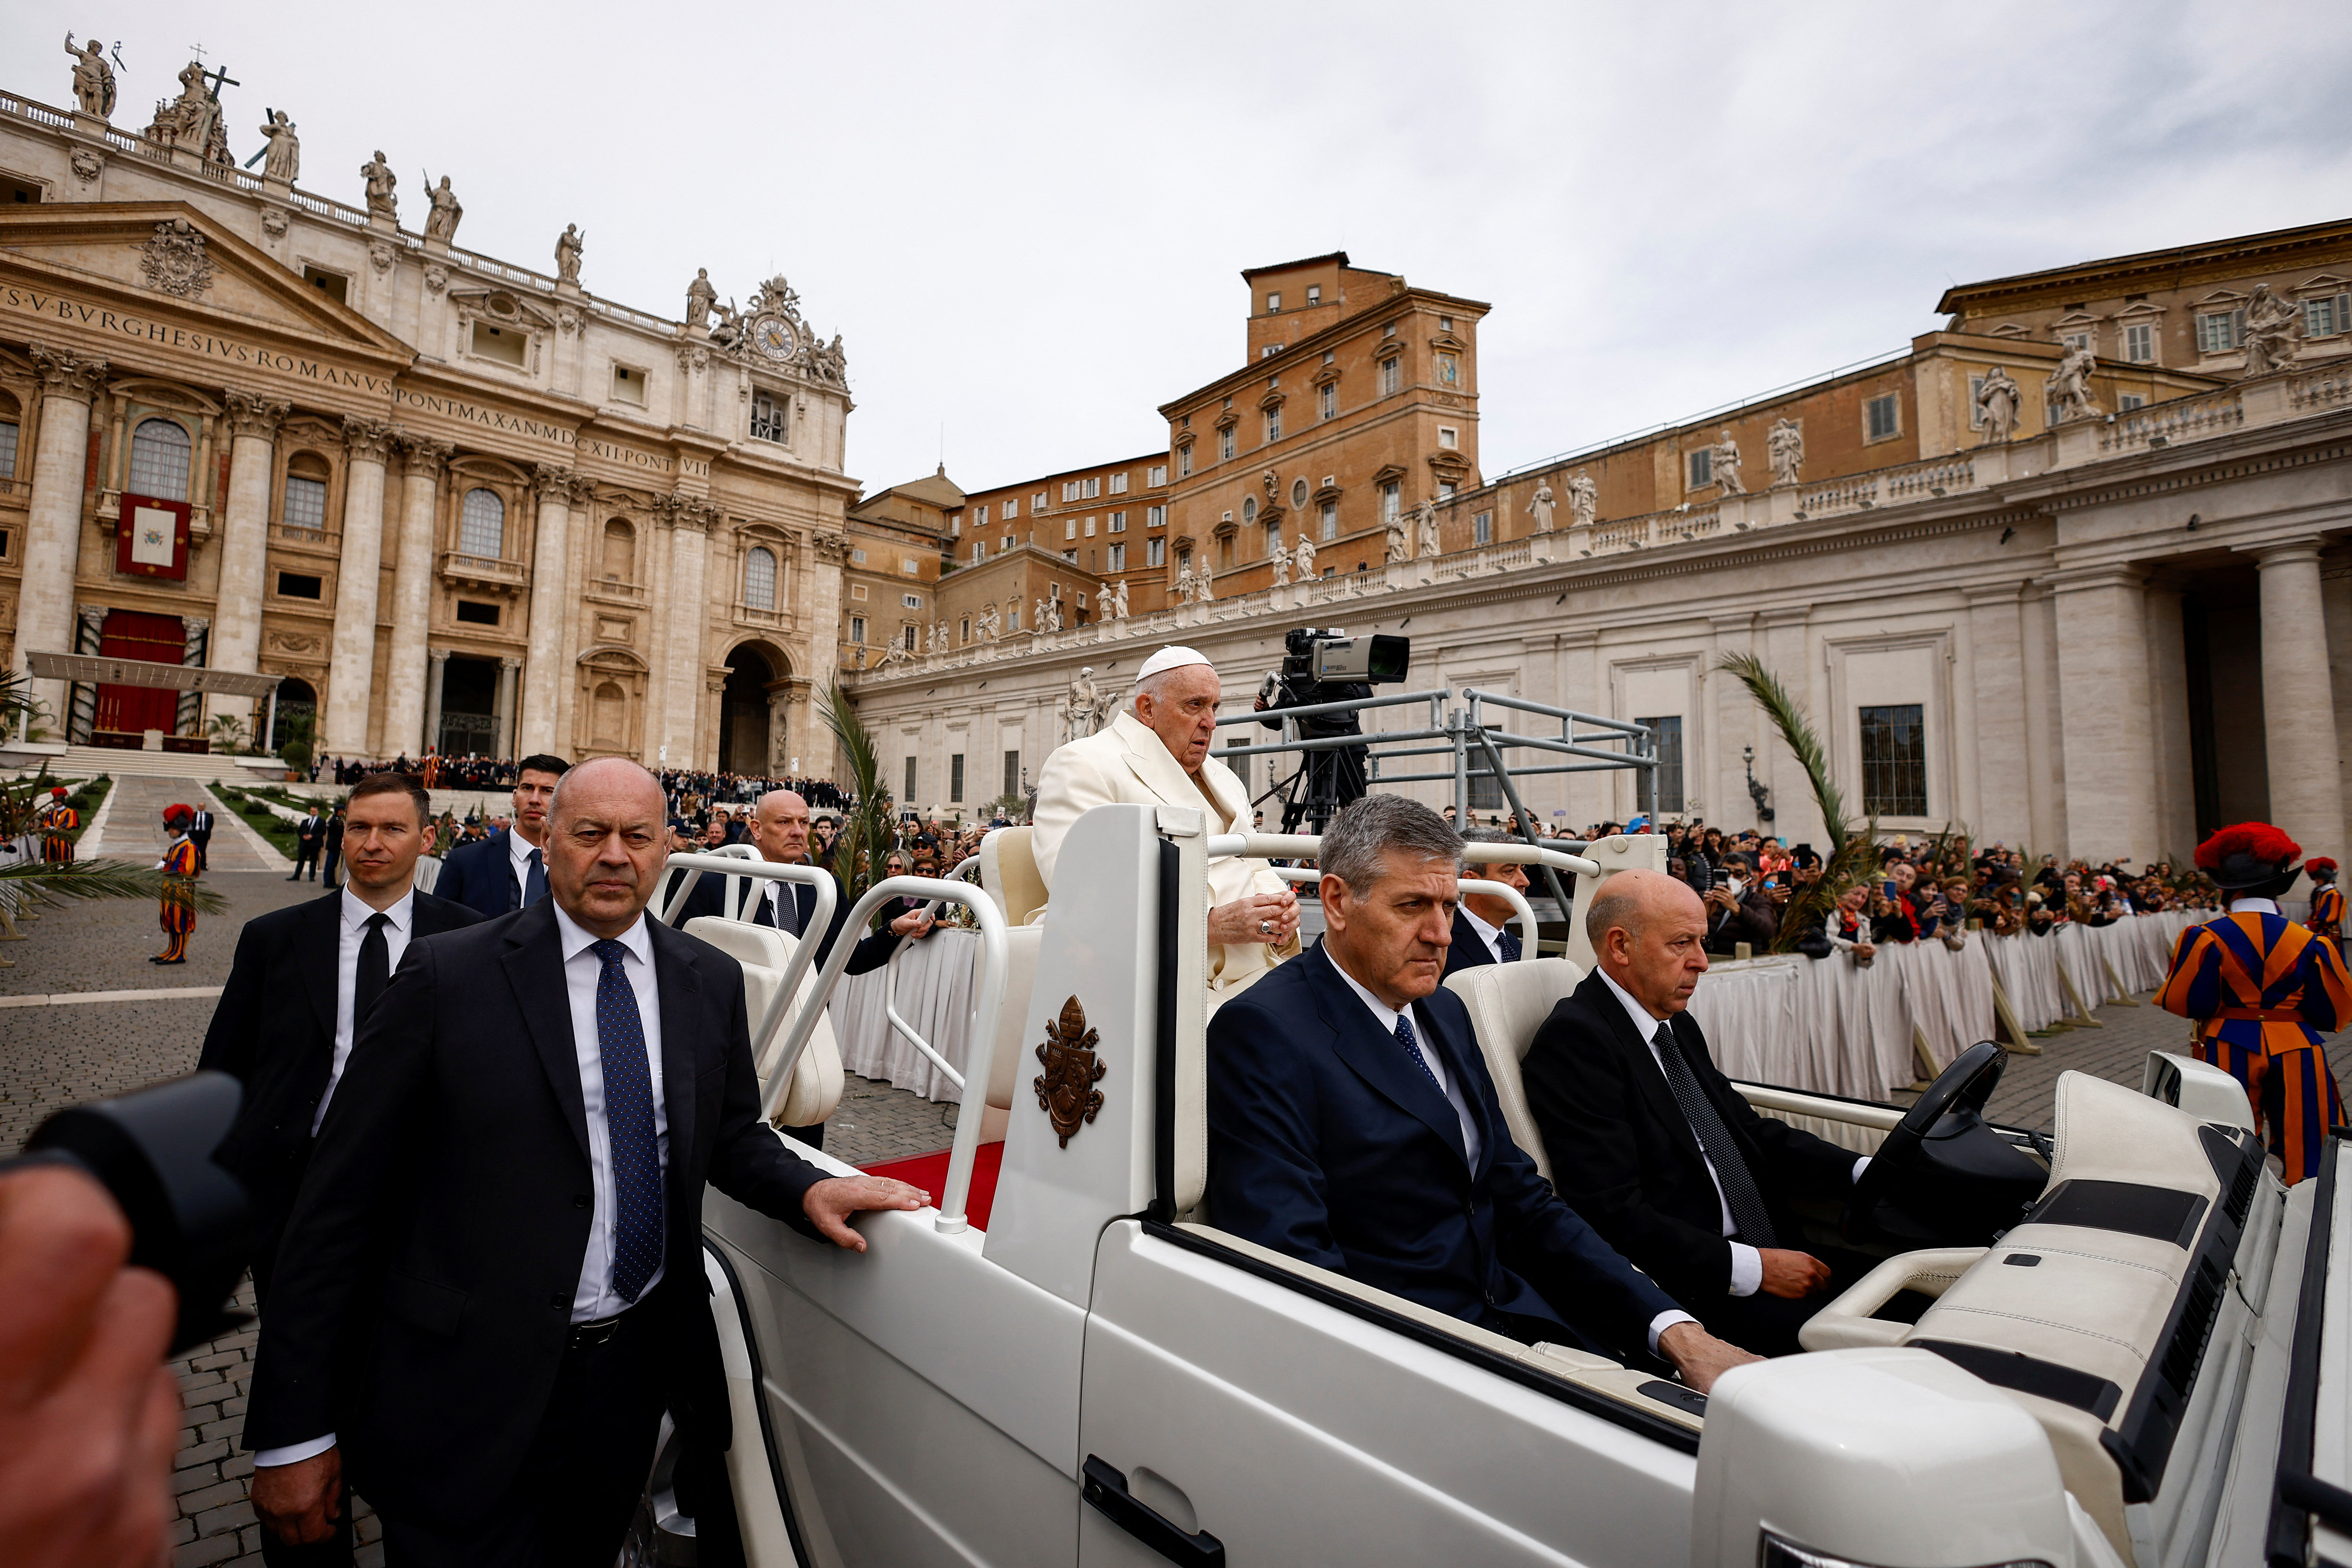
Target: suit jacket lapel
[[534, 966], [320, 958], [1378, 1059], [680, 990], [1596, 995], [1457, 1054]]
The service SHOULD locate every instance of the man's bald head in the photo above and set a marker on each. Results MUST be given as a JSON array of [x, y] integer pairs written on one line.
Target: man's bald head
[[779, 827], [1648, 933]]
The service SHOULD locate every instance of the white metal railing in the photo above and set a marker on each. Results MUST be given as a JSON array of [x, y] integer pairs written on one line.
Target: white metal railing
[[988, 1001], [1309, 847], [742, 861]]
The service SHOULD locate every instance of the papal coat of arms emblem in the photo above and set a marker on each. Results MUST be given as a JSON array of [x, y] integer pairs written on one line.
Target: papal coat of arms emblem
[[1065, 1089], [174, 260]]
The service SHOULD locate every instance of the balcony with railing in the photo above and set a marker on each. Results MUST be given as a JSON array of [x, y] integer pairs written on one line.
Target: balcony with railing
[[464, 571], [613, 591]]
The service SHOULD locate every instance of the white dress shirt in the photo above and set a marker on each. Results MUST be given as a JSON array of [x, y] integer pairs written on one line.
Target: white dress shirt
[[1491, 935], [349, 932], [593, 1297], [519, 853], [1387, 1017], [1747, 1262]]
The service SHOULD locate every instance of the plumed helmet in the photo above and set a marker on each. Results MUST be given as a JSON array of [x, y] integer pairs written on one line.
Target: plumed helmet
[[2320, 868], [178, 816], [2251, 858], [59, 793]]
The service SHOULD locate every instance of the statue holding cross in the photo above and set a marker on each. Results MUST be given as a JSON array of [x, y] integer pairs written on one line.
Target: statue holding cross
[[193, 117]]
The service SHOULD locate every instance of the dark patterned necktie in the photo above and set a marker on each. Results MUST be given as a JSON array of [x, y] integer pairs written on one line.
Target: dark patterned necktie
[[629, 1126], [785, 909], [372, 973], [1413, 1050], [1749, 1216], [1509, 942], [534, 887]]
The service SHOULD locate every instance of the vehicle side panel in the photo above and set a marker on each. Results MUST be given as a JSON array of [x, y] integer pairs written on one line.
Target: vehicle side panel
[[1300, 1433]]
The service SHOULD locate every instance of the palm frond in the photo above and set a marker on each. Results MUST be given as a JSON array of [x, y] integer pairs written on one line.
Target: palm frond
[[866, 828], [1854, 855], [107, 880]]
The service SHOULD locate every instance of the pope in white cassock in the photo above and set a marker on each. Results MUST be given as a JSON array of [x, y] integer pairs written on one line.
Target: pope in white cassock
[[1157, 752]]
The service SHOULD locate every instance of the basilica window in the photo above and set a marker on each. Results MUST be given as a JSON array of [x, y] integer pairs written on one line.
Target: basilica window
[[620, 558], [767, 417], [507, 345], [482, 524], [629, 386], [1667, 731], [333, 285], [610, 710], [8, 446], [1893, 761], [305, 510], [760, 578], [159, 459]]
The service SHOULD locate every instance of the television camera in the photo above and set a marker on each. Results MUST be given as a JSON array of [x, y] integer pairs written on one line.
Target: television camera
[[1324, 665]]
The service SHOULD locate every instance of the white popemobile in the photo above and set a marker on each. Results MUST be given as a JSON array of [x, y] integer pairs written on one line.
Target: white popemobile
[[2145, 1366]]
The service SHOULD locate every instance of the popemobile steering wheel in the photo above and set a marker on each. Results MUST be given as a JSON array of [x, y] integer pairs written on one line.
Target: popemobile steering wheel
[[1966, 1085]]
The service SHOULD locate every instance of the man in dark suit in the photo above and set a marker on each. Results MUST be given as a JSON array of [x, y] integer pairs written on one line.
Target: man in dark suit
[[1353, 1124], [1480, 934], [310, 835], [507, 870], [1653, 1145], [200, 833], [506, 1213], [304, 981], [333, 846]]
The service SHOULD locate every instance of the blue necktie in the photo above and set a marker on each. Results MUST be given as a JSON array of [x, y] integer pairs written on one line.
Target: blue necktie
[[629, 1125], [1404, 1038], [1510, 945], [534, 883]]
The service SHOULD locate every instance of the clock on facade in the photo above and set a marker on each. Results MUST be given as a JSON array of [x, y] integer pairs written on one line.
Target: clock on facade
[[773, 336]]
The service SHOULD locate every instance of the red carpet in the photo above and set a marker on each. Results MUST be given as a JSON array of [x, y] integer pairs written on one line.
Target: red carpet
[[929, 1172]]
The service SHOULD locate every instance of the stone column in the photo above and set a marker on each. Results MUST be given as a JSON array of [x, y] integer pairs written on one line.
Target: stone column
[[2298, 699], [579, 618], [253, 423], [436, 666], [405, 728], [45, 605], [2104, 720], [350, 677], [680, 656], [2168, 689], [1993, 689], [549, 607], [504, 744]]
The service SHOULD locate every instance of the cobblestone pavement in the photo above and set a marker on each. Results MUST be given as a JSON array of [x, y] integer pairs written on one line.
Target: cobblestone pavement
[[55, 1054]]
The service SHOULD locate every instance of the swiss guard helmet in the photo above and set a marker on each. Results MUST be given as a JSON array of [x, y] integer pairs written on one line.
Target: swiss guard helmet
[[2249, 858], [2320, 868], [178, 817]]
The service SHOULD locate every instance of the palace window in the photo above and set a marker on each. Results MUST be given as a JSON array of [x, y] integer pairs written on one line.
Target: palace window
[[1225, 445], [2081, 341], [979, 551], [1273, 538], [857, 590], [2218, 330], [1155, 517], [760, 578], [1012, 508], [1391, 375], [1448, 437], [1391, 502], [910, 566], [1315, 293], [482, 524], [1036, 504], [1893, 761], [1156, 475], [964, 628], [980, 517], [768, 413], [857, 557], [1482, 529], [1330, 519], [1118, 523], [1273, 303], [1274, 425], [1885, 416], [1071, 556], [858, 629], [912, 601], [1328, 400], [1118, 484], [1702, 467], [1012, 616], [159, 459], [2126, 402], [1185, 460], [2325, 318], [306, 504], [1155, 553], [2139, 342], [1070, 529], [1667, 731], [907, 636], [1118, 561], [1445, 490], [1249, 508]]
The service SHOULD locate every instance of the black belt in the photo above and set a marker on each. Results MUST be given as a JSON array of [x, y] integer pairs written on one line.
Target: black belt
[[597, 1333]]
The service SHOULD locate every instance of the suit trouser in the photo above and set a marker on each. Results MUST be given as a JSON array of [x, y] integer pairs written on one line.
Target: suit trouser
[[570, 1504], [203, 843], [1767, 1325], [306, 855]]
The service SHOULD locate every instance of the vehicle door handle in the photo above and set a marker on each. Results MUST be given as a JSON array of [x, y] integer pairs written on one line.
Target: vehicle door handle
[[1107, 1489]]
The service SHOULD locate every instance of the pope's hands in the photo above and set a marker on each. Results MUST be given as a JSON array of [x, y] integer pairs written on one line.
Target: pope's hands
[[830, 1203], [1269, 918]]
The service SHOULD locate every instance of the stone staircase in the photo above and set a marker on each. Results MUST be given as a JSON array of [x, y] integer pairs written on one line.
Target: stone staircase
[[87, 762]]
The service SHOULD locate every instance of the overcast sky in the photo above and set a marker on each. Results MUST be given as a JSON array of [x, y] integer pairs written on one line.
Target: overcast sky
[[1027, 221]]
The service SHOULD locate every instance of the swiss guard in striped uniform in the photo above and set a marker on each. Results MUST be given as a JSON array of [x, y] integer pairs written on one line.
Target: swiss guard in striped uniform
[[54, 820], [2261, 988], [2327, 900], [179, 868]]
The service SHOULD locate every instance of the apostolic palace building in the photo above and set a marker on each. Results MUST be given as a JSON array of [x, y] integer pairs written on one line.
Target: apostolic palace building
[[2074, 569], [455, 503]]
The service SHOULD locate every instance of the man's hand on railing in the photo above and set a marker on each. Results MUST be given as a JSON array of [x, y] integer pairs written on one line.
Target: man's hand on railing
[[830, 1203]]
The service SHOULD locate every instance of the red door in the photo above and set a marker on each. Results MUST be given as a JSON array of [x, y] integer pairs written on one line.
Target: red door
[[158, 639]]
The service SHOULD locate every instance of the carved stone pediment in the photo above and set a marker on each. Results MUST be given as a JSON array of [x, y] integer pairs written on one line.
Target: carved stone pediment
[[502, 307]]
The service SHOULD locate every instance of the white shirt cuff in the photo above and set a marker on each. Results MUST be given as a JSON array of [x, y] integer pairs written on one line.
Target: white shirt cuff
[[1860, 1166], [294, 1453], [1746, 1270], [1665, 1320]]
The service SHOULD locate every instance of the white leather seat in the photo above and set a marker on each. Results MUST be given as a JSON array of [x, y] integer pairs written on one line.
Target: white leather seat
[[1507, 1003], [765, 952], [1008, 874], [1014, 1048]]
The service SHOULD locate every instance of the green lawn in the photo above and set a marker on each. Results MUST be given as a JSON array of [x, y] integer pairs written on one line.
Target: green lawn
[[262, 819]]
